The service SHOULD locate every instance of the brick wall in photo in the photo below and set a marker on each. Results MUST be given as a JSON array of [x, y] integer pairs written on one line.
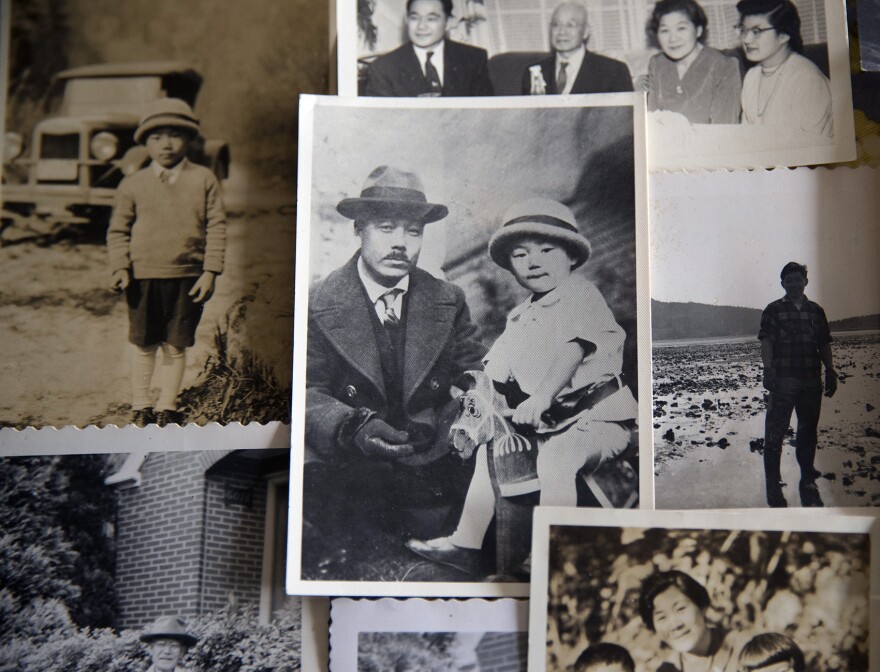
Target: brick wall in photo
[[503, 652], [159, 539]]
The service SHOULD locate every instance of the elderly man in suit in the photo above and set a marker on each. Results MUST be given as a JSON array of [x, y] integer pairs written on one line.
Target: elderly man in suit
[[429, 64], [167, 641], [571, 68], [387, 343]]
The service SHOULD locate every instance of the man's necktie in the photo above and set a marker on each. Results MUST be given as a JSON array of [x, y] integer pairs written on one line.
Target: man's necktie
[[562, 80], [165, 177], [388, 316], [431, 75]]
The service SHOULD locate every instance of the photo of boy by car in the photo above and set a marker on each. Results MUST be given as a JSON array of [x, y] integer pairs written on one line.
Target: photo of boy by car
[[167, 240]]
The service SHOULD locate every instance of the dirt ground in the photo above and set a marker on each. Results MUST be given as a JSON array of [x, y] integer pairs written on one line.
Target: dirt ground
[[64, 333], [709, 414]]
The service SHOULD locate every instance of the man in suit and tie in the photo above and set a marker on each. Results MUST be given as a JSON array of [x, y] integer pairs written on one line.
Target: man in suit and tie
[[387, 343], [571, 68], [429, 64]]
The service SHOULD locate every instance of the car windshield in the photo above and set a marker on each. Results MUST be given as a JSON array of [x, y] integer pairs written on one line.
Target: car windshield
[[104, 95]]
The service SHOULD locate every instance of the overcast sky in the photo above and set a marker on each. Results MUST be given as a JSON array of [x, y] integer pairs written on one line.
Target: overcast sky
[[722, 238]]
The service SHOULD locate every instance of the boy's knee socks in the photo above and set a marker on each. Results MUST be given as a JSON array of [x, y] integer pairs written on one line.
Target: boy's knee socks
[[170, 376], [142, 363]]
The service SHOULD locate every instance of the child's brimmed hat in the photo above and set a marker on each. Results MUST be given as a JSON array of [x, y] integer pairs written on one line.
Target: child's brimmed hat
[[167, 112], [540, 218], [168, 627], [392, 192]]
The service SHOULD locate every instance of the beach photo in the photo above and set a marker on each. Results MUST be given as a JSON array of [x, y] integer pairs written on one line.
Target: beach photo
[[444, 283], [641, 591], [718, 256], [110, 316], [729, 83]]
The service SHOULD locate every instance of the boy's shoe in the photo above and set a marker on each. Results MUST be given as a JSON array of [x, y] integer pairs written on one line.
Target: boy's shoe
[[143, 417], [775, 498], [444, 552], [169, 417], [810, 494]]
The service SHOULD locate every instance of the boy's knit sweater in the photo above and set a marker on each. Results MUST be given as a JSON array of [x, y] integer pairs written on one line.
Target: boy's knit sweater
[[161, 230]]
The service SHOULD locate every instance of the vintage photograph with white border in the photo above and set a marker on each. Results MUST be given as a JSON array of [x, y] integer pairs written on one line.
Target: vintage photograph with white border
[[80, 355], [500, 42], [418, 634], [661, 589], [377, 485], [719, 243], [105, 554]]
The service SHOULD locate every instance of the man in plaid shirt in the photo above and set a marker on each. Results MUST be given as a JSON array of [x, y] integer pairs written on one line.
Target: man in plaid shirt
[[795, 344]]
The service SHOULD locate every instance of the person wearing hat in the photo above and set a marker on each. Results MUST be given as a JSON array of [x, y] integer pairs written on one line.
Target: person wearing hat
[[166, 242], [167, 641], [558, 363], [387, 342], [430, 64]]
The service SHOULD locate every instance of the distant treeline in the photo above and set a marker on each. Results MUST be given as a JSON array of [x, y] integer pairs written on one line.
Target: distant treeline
[[673, 320]]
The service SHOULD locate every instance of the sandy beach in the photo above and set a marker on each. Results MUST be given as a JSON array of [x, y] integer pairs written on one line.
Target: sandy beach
[[709, 413]]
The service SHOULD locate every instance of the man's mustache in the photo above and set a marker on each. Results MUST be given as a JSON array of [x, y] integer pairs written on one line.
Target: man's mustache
[[397, 256]]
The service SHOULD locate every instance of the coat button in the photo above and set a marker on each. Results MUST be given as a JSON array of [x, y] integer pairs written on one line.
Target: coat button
[[434, 384], [351, 392]]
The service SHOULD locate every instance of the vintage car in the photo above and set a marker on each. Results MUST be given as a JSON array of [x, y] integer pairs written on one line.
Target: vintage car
[[79, 155]]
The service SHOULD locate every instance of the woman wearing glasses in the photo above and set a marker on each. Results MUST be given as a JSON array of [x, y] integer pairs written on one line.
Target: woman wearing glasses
[[786, 89], [689, 77]]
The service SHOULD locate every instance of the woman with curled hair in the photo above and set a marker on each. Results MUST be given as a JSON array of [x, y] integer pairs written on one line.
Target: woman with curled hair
[[674, 605], [688, 76], [785, 88]]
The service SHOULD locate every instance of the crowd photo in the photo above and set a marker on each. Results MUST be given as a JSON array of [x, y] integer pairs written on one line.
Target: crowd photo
[[681, 600], [752, 62]]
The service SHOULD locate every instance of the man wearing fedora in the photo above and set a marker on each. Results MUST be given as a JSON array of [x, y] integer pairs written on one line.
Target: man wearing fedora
[[387, 343], [167, 641]]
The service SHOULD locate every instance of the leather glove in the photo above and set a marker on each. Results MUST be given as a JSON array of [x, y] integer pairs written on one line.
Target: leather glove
[[379, 439], [830, 382]]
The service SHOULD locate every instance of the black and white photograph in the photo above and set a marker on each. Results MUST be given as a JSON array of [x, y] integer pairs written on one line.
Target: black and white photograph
[[475, 340], [766, 339], [769, 84], [148, 212], [869, 34], [639, 591], [126, 560], [432, 635]]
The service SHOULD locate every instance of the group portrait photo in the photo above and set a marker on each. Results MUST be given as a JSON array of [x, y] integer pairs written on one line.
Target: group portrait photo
[[474, 341], [644, 591], [749, 81]]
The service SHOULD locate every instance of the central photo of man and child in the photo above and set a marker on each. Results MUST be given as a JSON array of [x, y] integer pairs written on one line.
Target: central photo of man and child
[[470, 346]]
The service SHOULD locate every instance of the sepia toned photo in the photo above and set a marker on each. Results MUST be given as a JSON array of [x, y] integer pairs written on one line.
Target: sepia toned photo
[[117, 561], [766, 352], [643, 591], [432, 635], [148, 214], [755, 83], [474, 338]]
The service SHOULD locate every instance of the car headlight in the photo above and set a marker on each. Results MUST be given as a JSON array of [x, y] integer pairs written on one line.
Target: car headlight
[[13, 145], [104, 146]]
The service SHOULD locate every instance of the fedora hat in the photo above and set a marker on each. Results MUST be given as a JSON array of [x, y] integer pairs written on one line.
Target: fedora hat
[[543, 218], [168, 627], [167, 112], [392, 192]]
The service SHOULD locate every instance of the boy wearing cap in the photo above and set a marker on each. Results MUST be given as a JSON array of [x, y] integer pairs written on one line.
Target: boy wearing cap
[[167, 240], [558, 363]]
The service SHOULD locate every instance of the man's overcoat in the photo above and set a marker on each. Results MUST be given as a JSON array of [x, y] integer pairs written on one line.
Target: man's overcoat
[[343, 367]]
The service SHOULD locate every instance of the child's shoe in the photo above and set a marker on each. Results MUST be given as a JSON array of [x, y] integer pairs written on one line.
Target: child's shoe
[[169, 417], [143, 416]]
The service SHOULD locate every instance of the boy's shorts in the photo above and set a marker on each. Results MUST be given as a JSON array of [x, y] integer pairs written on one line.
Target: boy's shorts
[[160, 310]]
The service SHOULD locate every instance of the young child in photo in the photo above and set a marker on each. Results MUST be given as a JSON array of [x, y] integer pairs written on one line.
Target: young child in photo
[[562, 351], [604, 657], [771, 652], [166, 242]]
